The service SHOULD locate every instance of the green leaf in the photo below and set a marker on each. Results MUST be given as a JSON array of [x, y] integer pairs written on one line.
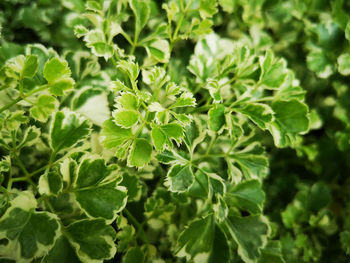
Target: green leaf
[[345, 241], [194, 134], [207, 8], [197, 238], [291, 119], [30, 137], [167, 157], [158, 50], [126, 118], [133, 185], [128, 101], [207, 184], [347, 31], [43, 107], [260, 114], [250, 234], [67, 129], [319, 197], [30, 66], [185, 100], [173, 131], [97, 195], [94, 6], [25, 66], [344, 64], [113, 135], [92, 240], [96, 40], [228, 5], [158, 138], [252, 162], [134, 254], [141, 10], [217, 117], [57, 74], [272, 253], [131, 68], [28, 234], [63, 251], [140, 153], [247, 195], [318, 62], [179, 178], [50, 183], [273, 71], [220, 251]]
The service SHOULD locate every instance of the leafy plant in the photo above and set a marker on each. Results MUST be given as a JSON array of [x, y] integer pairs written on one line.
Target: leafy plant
[[174, 131]]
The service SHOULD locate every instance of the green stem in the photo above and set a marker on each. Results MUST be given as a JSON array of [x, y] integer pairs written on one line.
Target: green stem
[[138, 226], [213, 139], [20, 98]]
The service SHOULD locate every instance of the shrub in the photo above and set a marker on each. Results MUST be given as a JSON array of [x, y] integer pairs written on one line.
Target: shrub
[[174, 131]]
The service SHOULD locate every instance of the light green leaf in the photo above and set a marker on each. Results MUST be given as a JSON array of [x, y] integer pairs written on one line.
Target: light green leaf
[[113, 135], [318, 62], [259, 113], [80, 31], [126, 118], [158, 51], [247, 195], [94, 6], [273, 71], [228, 5], [28, 234], [250, 234], [92, 239], [344, 64], [43, 107], [131, 68], [158, 138], [30, 66], [201, 27], [291, 119], [67, 129], [185, 100], [25, 66], [179, 178], [96, 40], [15, 119], [140, 153], [97, 195], [217, 117], [127, 101], [57, 74], [173, 131], [141, 10], [207, 8], [347, 31]]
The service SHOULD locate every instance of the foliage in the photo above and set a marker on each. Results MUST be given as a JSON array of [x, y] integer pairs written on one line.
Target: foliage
[[174, 131]]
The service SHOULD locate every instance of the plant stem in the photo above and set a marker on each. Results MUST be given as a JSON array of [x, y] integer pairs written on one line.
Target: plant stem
[[20, 98], [137, 225]]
